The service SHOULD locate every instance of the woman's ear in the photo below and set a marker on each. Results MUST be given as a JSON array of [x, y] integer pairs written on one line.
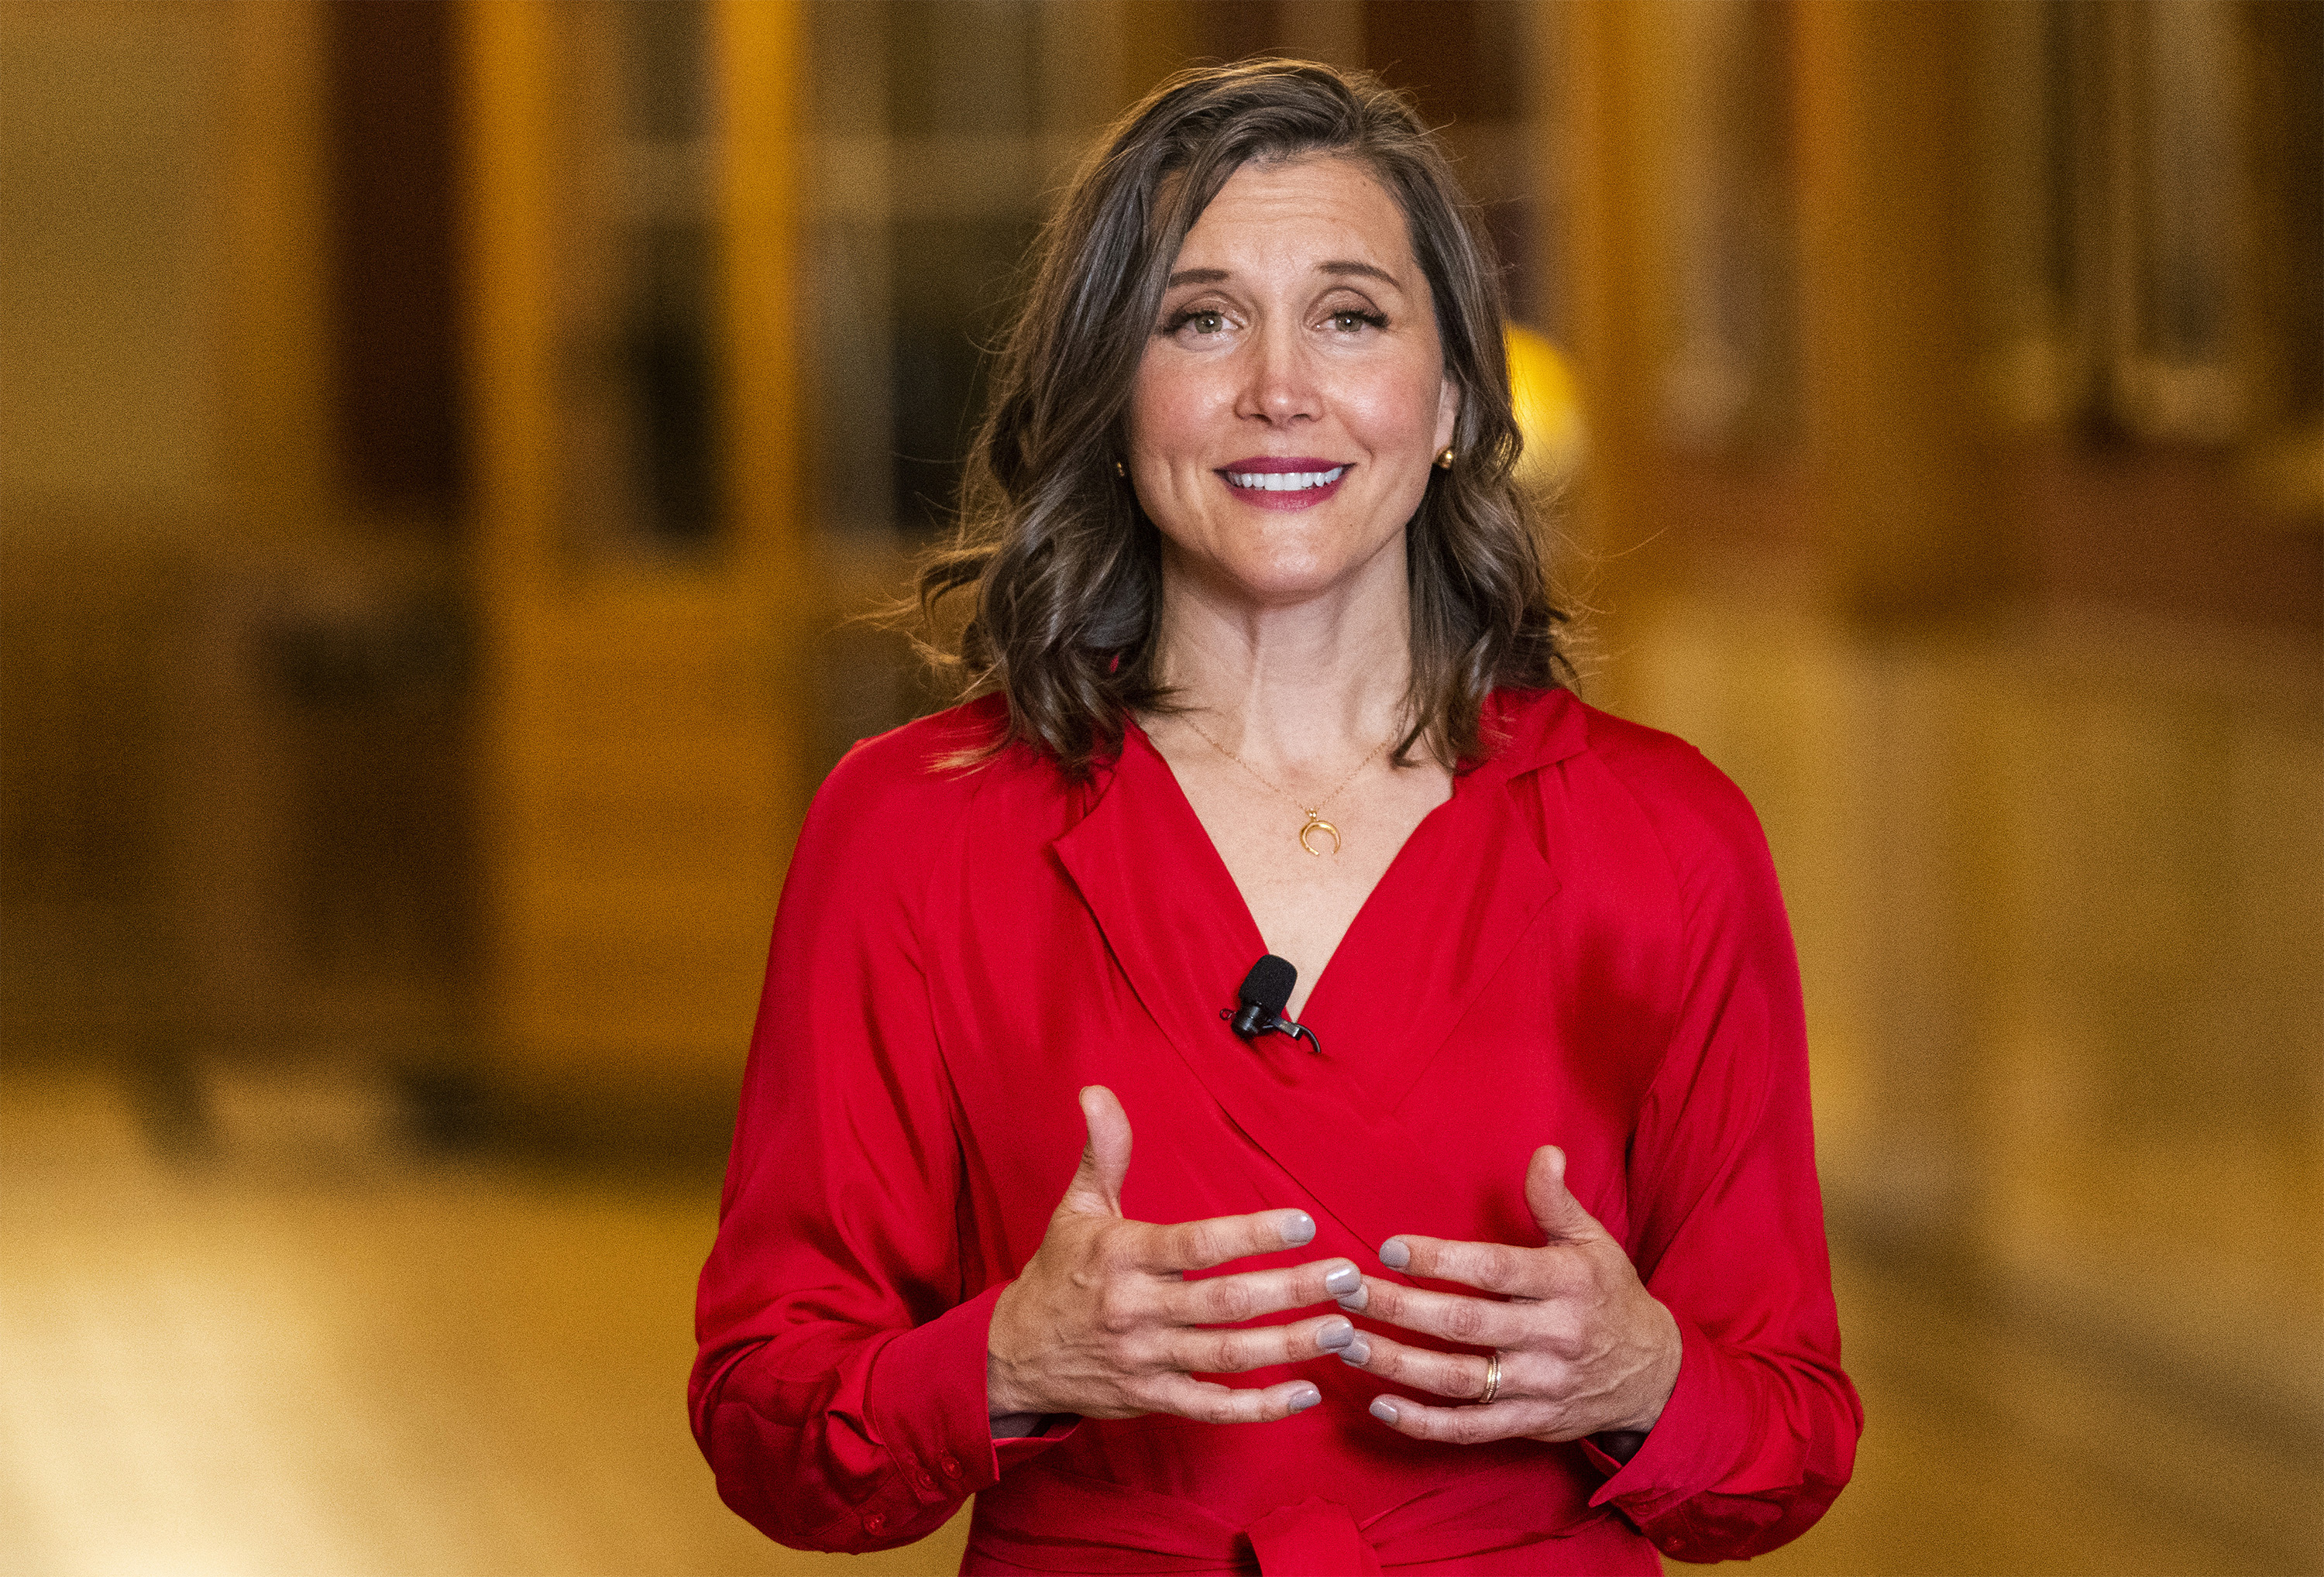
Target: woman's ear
[[1448, 411]]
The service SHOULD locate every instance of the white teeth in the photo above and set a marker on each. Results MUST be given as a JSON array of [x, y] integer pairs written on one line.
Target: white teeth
[[1286, 480]]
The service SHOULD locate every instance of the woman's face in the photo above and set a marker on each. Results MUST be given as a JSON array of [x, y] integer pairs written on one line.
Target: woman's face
[[1294, 393]]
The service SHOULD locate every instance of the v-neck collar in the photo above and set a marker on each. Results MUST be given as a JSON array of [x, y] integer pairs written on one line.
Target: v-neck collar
[[1429, 937]]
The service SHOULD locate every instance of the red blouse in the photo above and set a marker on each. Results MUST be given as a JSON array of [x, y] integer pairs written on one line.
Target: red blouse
[[1584, 946]]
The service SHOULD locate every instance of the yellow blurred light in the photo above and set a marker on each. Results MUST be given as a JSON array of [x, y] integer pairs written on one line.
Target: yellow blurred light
[[1548, 407]]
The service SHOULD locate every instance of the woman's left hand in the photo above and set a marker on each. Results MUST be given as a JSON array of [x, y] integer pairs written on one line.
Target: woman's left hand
[[1584, 1347]]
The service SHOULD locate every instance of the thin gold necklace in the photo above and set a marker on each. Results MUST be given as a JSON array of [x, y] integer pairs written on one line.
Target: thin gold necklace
[[1314, 813]]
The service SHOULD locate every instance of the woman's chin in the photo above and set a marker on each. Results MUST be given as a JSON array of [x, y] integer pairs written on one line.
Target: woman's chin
[[1283, 565]]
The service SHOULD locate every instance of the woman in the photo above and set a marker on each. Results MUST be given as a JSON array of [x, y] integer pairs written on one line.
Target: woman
[[1516, 1262]]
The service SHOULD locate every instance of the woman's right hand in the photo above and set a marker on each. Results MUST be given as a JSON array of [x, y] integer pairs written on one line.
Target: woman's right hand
[[1103, 1322]]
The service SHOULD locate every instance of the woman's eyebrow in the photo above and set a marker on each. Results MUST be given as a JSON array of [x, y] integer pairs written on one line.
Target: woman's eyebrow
[[1212, 276]]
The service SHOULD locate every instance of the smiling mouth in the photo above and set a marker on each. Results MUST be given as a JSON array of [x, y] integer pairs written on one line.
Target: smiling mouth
[[1285, 481]]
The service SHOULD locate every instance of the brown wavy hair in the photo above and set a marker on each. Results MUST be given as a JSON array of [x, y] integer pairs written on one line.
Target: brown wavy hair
[[1064, 567]]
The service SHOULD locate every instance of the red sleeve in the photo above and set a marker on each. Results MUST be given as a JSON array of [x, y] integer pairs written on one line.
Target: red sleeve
[[1759, 1435], [839, 1389]]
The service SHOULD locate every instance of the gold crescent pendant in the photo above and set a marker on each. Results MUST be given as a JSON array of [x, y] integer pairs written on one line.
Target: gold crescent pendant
[[1315, 823]]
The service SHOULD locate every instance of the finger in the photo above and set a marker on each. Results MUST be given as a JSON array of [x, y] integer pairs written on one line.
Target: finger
[[1501, 1267], [1197, 1245], [1247, 1347], [1460, 1376], [1212, 1403], [1555, 1209], [1230, 1300], [1096, 1187], [1476, 1321], [1457, 1425]]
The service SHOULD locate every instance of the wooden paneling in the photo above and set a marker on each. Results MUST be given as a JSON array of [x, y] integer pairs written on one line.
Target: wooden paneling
[[394, 273], [2034, 723], [1903, 513], [2059, 892], [641, 715]]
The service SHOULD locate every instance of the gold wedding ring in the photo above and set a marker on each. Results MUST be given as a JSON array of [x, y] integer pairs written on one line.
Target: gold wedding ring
[[1492, 1379]]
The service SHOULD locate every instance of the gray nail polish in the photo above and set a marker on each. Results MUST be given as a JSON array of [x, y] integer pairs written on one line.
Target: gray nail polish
[[1334, 1334], [1355, 1301], [1395, 1255], [1383, 1409], [1356, 1354], [1346, 1279], [1305, 1399], [1300, 1228]]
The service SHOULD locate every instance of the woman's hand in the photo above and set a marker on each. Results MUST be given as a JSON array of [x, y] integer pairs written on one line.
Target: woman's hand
[[1103, 1322], [1584, 1347]]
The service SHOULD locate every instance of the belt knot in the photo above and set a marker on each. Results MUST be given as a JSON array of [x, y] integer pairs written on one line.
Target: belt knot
[[1315, 1539]]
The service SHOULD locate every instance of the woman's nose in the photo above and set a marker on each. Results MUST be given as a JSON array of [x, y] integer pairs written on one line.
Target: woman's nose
[[1279, 385]]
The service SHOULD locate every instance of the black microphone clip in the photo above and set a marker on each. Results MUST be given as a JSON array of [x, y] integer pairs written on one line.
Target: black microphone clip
[[1266, 992]]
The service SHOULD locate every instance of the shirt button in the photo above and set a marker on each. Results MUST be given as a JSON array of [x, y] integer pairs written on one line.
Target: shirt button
[[926, 1479], [873, 1521], [951, 1466]]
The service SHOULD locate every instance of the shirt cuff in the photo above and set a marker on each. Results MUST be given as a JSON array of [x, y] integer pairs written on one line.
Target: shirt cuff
[[926, 1402], [1008, 1453], [1689, 1447]]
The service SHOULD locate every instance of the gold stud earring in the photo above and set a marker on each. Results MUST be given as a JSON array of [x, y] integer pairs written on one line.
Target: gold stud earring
[[1119, 470], [1445, 458]]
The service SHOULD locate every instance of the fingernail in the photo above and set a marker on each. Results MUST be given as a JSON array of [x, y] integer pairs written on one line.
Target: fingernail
[[1356, 1354], [1355, 1301], [1383, 1409], [1343, 1281], [1300, 1228], [1303, 1399], [1334, 1334], [1395, 1255]]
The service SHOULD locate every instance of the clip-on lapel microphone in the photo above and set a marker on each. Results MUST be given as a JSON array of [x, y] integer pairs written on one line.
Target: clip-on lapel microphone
[[1266, 991]]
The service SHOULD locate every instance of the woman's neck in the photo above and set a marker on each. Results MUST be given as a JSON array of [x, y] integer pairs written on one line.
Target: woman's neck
[[1303, 685]]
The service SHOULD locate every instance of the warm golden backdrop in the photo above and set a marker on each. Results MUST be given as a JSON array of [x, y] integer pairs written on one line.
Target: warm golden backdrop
[[441, 446]]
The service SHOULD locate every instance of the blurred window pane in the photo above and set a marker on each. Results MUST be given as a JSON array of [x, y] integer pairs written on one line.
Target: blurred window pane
[[640, 414]]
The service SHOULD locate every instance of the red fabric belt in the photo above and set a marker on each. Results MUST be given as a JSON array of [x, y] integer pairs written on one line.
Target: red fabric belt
[[1052, 1520]]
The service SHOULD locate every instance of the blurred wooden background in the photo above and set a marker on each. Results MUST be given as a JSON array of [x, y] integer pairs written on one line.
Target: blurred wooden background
[[444, 446]]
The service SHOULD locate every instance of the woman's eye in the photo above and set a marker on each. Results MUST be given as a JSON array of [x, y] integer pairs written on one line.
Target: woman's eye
[[1200, 320], [1349, 320]]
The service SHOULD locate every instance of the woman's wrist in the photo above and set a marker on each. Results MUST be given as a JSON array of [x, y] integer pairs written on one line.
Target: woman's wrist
[[1669, 1354], [1011, 1416], [1002, 1398], [1621, 1444]]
